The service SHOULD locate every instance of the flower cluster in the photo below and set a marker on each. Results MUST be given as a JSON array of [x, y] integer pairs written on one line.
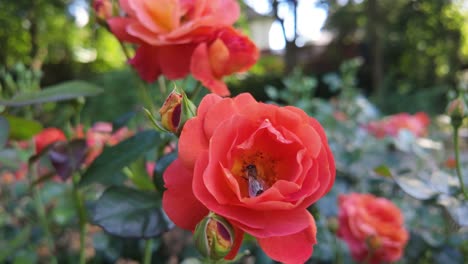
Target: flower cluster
[[176, 37], [257, 165], [373, 228], [391, 125]]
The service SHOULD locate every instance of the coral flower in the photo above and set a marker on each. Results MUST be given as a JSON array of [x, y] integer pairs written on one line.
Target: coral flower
[[48, 136], [168, 31], [372, 227], [259, 166], [391, 125]]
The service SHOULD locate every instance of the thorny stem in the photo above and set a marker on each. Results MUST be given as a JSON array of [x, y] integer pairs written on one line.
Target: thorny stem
[[143, 88], [457, 160], [41, 213]]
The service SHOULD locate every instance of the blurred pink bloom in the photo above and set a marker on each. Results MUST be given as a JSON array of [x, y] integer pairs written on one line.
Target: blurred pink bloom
[[391, 125]]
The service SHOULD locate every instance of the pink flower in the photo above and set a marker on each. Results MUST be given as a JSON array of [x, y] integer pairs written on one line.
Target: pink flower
[[373, 228], [391, 125], [101, 134]]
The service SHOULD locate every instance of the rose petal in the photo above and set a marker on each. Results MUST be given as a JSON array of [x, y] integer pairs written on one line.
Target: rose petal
[[295, 248], [238, 237], [179, 203], [146, 63], [118, 26], [202, 71], [174, 60], [192, 142], [254, 222]]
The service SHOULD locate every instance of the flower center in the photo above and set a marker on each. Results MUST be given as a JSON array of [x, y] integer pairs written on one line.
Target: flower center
[[255, 173]]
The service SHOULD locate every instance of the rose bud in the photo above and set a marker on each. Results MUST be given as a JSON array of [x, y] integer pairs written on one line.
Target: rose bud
[[214, 237], [171, 111], [176, 110], [456, 108], [103, 9]]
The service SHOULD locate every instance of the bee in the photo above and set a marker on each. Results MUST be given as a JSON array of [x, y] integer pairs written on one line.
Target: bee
[[256, 185]]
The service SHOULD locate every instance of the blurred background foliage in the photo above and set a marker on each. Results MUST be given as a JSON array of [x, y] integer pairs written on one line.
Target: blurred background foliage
[[412, 50]]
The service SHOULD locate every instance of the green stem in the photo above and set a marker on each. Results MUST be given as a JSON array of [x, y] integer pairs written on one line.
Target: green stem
[[457, 160], [148, 251], [81, 218], [162, 85], [338, 257], [41, 213], [125, 51], [195, 92]]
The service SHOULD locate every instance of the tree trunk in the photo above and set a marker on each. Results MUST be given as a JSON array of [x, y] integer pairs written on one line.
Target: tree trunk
[[375, 33]]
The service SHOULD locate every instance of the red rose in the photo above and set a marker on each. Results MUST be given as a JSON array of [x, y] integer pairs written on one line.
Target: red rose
[[373, 228], [259, 166], [169, 31], [47, 137]]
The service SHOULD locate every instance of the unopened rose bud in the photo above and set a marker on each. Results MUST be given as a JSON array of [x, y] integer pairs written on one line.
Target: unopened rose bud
[[103, 9], [456, 111], [373, 243], [214, 237], [171, 111], [332, 224], [456, 108]]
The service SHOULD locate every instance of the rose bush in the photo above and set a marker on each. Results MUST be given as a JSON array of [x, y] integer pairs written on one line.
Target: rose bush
[[373, 228], [259, 166], [48, 136], [168, 32], [391, 125]]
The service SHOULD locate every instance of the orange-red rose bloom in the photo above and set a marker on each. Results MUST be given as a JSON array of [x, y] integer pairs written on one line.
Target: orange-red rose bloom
[[259, 166], [48, 136], [391, 125], [168, 32], [373, 228]]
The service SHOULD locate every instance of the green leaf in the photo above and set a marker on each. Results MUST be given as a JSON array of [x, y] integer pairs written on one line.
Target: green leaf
[[383, 170], [4, 131], [22, 129], [130, 213], [63, 91], [113, 159]]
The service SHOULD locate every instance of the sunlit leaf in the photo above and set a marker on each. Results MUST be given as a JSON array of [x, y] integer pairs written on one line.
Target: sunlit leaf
[[63, 91], [22, 129], [130, 213], [383, 170]]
